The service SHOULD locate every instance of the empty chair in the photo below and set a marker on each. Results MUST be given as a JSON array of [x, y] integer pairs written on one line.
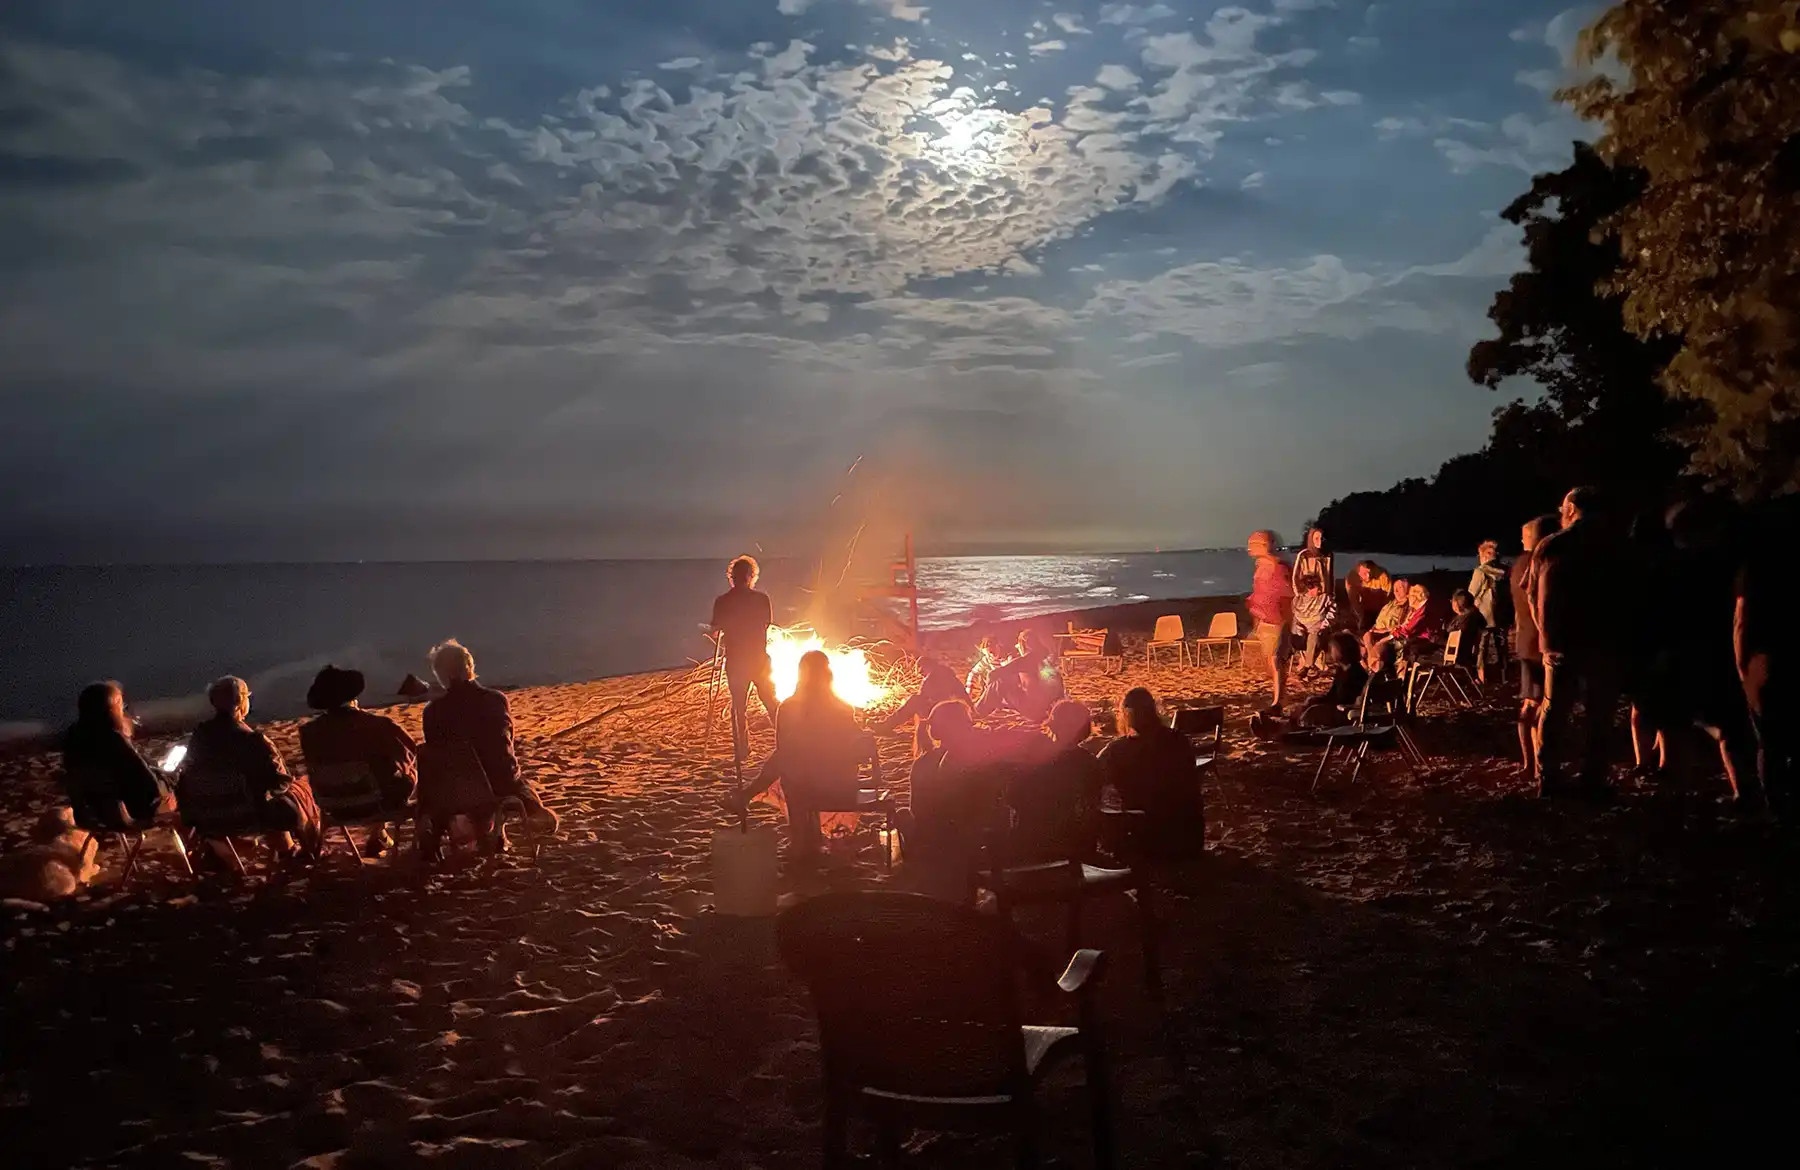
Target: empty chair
[[1379, 725], [1205, 729], [1222, 632], [1168, 635], [920, 1022], [1451, 676]]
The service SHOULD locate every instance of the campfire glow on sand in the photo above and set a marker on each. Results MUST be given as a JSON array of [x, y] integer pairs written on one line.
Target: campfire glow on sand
[[851, 677]]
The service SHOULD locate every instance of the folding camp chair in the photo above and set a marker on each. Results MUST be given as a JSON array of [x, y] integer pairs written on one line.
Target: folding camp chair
[[347, 795], [920, 1021], [217, 806], [1450, 676], [1223, 632], [453, 783], [1358, 738], [1198, 723], [1168, 635], [130, 838], [874, 802]]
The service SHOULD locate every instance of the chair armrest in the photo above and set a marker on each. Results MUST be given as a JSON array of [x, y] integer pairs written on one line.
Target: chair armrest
[[1083, 970]]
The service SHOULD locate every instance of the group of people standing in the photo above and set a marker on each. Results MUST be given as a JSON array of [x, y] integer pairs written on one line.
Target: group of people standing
[[1707, 649], [111, 786]]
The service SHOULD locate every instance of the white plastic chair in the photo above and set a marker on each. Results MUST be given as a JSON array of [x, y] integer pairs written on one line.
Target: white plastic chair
[[1168, 635], [1222, 632]]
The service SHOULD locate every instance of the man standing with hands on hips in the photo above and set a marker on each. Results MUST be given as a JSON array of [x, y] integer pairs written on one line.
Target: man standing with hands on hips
[[741, 618]]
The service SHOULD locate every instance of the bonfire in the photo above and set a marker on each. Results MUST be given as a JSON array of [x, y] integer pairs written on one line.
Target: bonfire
[[852, 677]]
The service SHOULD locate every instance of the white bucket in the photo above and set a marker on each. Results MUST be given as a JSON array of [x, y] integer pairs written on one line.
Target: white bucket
[[744, 872]]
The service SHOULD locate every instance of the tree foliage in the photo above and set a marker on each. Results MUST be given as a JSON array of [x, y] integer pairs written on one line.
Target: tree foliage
[[1602, 420], [1705, 101]]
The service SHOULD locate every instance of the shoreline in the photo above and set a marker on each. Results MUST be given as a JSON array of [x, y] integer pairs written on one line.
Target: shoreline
[[168, 717]]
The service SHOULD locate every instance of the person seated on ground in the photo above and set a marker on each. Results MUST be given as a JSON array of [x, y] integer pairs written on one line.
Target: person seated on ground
[[226, 745], [1469, 621], [987, 657], [480, 717], [1366, 590], [1335, 706], [1389, 617], [819, 753], [938, 684], [1027, 684], [1152, 769], [344, 733], [1055, 805], [102, 770]]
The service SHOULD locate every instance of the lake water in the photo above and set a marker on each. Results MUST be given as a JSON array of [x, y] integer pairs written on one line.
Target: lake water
[[166, 631]]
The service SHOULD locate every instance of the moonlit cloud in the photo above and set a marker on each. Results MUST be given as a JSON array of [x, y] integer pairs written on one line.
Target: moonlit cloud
[[529, 285]]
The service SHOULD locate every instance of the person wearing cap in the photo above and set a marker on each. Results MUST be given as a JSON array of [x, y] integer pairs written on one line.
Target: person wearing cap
[[344, 733]]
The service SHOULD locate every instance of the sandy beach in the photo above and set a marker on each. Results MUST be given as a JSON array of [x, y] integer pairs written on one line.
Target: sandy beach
[[1410, 973]]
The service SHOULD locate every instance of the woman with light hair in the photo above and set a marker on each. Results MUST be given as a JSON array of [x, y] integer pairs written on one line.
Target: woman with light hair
[[480, 717], [226, 745]]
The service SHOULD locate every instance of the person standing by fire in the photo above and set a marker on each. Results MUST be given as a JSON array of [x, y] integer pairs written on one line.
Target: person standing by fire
[[741, 618]]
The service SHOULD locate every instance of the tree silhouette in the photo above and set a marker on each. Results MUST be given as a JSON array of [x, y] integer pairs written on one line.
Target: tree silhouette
[[1708, 105], [1603, 419]]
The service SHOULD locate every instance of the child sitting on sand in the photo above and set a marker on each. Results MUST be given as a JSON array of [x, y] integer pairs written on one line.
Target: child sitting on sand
[[1349, 677]]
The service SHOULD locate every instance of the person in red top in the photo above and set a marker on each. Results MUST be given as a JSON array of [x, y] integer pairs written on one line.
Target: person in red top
[[741, 619], [1272, 608]]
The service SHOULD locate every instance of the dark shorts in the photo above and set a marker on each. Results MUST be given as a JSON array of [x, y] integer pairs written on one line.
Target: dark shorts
[[1531, 681]]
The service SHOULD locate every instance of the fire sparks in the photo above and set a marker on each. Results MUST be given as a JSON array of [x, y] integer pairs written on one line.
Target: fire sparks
[[851, 678]]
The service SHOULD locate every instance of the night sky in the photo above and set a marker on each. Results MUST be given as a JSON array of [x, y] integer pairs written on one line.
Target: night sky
[[445, 279]]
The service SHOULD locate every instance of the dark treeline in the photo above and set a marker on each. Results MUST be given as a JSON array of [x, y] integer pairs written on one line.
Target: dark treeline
[[1603, 419], [1658, 312]]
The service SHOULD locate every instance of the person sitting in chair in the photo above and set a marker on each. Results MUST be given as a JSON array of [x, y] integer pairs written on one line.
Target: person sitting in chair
[[819, 753], [1056, 805], [480, 717], [1471, 623], [226, 745], [1152, 769], [102, 770], [344, 733]]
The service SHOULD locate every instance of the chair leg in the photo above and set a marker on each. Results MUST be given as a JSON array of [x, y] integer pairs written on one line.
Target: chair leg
[[132, 844], [1151, 942], [1099, 1089], [835, 1133], [1025, 1137], [887, 1145], [350, 841], [236, 860], [181, 851], [1323, 761], [1362, 753]]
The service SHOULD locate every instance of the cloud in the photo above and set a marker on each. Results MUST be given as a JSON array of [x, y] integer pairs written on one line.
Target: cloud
[[680, 63], [1117, 77], [1134, 14], [1071, 23], [1042, 47], [793, 7], [1252, 181], [1392, 127]]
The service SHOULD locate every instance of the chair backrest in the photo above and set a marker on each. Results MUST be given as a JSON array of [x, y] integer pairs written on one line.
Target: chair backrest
[[1168, 628], [451, 779], [1199, 720], [348, 791], [218, 803], [1085, 642], [1224, 625], [1452, 647], [914, 995]]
